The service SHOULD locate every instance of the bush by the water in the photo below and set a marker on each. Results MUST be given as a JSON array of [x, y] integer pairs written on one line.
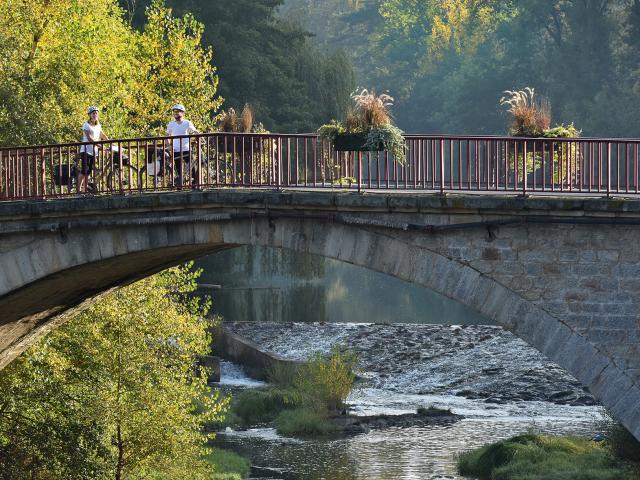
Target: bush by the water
[[325, 382], [228, 465], [304, 422], [539, 457], [260, 405], [301, 398]]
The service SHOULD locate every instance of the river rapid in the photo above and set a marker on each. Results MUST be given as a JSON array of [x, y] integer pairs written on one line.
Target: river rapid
[[498, 383]]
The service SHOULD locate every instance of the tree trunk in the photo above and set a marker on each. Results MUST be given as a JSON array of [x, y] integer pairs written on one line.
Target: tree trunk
[[120, 445]]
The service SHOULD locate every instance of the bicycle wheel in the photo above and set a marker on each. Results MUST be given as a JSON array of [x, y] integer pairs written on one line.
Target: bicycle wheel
[[128, 180]]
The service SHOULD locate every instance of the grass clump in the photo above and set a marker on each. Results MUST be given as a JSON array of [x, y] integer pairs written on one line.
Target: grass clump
[[304, 422], [227, 465], [259, 405], [539, 457]]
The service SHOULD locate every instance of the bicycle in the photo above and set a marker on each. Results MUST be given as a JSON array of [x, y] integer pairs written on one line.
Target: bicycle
[[162, 173], [115, 173]]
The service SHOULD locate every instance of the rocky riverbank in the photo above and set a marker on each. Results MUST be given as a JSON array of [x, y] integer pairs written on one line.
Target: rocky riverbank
[[355, 424], [475, 362]]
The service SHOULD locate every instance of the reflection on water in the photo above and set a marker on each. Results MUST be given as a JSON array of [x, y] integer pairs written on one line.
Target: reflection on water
[[268, 284], [425, 453]]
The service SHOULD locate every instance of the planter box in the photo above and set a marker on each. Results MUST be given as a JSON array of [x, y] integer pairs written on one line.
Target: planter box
[[354, 142]]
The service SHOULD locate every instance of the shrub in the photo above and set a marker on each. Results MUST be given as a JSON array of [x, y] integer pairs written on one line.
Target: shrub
[[246, 119], [325, 382], [371, 110], [228, 465], [531, 117], [304, 422], [331, 130], [230, 122], [259, 405], [560, 131], [538, 457]]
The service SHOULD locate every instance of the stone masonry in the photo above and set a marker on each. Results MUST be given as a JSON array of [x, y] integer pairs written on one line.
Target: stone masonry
[[563, 274]]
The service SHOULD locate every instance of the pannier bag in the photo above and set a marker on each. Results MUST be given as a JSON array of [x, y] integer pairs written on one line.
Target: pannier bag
[[63, 173]]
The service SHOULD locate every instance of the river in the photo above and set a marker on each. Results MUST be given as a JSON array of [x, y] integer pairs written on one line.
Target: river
[[415, 348], [500, 385]]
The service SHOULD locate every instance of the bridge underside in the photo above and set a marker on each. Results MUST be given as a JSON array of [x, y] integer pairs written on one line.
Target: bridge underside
[[549, 282]]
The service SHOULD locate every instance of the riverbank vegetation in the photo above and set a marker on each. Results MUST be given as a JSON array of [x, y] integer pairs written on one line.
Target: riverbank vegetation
[[540, 457], [113, 393], [301, 400], [227, 464]]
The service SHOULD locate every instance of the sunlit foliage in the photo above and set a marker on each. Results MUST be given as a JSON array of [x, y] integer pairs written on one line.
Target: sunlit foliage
[[111, 393], [57, 57]]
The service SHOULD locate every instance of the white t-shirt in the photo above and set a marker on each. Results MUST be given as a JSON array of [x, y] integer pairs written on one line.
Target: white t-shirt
[[96, 132], [185, 127]]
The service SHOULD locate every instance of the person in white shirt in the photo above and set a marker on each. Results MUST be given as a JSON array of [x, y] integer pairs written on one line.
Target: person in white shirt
[[181, 146], [91, 132]]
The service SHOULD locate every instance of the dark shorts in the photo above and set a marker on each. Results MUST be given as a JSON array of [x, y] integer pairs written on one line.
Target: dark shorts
[[87, 162]]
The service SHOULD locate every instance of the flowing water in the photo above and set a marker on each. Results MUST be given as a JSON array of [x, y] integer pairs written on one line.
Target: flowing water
[[501, 386]]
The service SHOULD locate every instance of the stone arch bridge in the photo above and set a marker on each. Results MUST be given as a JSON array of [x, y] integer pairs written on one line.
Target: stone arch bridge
[[562, 274]]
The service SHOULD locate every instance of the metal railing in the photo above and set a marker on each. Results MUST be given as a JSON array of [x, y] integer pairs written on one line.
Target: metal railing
[[433, 163]]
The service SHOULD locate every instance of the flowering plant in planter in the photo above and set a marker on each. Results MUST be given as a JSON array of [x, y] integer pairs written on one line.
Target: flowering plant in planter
[[531, 118], [367, 127]]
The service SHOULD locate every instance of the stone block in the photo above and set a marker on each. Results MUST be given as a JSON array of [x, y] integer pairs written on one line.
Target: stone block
[[610, 385]]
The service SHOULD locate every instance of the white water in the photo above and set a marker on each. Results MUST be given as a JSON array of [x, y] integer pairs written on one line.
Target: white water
[[233, 375], [417, 453]]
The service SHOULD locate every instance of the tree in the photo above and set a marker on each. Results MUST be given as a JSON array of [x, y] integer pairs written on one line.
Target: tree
[[270, 63], [114, 389], [174, 67], [57, 57]]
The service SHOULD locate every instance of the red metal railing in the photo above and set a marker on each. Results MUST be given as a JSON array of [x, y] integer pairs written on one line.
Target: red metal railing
[[433, 163]]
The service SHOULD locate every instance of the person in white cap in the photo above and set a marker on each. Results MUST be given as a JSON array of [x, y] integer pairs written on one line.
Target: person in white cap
[[91, 132], [181, 146]]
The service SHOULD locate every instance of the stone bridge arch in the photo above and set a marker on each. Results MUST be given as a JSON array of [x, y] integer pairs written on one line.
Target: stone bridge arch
[[537, 279]]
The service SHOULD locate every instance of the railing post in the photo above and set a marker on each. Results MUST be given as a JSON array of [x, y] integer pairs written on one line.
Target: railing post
[[278, 158], [43, 173], [608, 169], [441, 166], [524, 168], [359, 172]]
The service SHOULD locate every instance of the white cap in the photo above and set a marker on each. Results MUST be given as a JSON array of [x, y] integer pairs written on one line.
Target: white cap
[[178, 106], [92, 109]]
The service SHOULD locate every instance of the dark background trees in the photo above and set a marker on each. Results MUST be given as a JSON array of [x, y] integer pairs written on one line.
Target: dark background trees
[[270, 62], [448, 62]]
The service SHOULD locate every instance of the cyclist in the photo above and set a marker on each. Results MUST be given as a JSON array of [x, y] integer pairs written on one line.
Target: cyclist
[[181, 146], [91, 132]]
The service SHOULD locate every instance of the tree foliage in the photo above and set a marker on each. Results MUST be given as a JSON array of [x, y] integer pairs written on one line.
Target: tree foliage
[[273, 64], [111, 393], [447, 62], [57, 57]]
